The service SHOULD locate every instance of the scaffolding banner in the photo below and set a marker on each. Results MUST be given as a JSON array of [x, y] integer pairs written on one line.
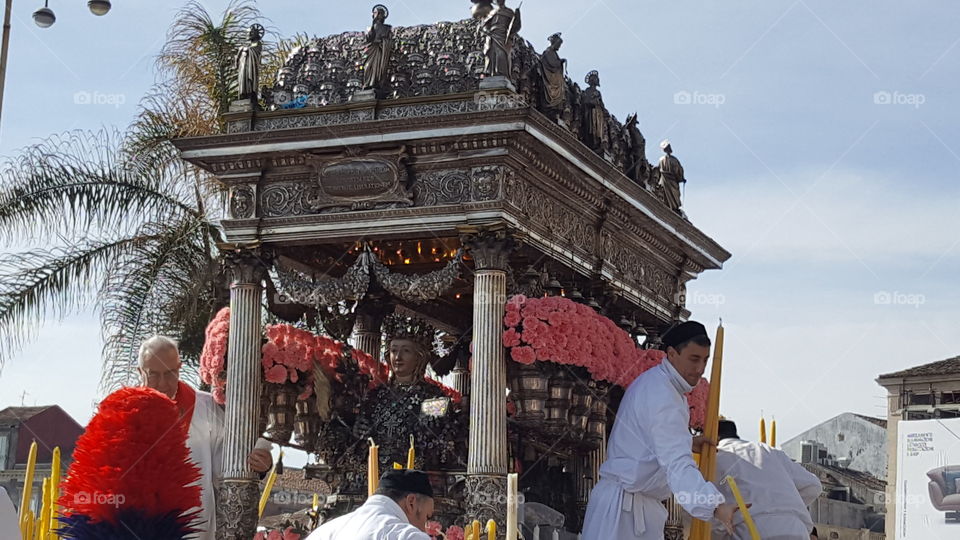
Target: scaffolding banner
[[927, 493]]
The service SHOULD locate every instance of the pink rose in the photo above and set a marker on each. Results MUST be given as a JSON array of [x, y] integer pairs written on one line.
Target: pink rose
[[455, 533], [219, 394], [276, 374], [274, 535], [288, 534], [523, 355], [511, 338], [512, 318], [433, 528]]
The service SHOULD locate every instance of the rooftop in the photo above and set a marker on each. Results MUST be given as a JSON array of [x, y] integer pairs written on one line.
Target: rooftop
[[950, 366], [12, 416]]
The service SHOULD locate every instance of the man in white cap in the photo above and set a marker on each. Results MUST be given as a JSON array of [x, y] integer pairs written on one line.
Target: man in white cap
[[671, 176], [649, 456]]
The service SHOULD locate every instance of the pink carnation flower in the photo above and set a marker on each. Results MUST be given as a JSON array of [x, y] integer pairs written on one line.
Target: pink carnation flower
[[524, 354], [276, 375]]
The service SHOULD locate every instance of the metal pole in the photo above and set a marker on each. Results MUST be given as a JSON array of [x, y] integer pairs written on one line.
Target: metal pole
[[3, 54]]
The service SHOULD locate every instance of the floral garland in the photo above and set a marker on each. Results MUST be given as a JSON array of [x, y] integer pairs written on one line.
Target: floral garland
[[276, 534], [455, 397], [213, 358], [288, 357], [559, 330], [435, 530]]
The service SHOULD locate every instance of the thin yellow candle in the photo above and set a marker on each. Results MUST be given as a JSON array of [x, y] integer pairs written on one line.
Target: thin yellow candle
[[512, 502], [397, 466], [265, 496], [44, 520], [28, 480], [316, 502], [773, 433], [54, 490], [700, 530], [754, 535], [763, 430], [26, 526], [411, 454], [373, 468], [491, 530]]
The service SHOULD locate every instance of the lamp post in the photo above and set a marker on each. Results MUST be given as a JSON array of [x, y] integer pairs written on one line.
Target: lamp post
[[44, 18]]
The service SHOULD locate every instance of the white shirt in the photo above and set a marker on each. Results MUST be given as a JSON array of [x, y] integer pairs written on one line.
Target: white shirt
[[649, 457], [9, 520], [205, 442], [380, 518], [779, 489]]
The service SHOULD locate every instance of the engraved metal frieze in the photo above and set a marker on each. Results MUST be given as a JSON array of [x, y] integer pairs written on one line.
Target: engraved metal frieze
[[242, 202]]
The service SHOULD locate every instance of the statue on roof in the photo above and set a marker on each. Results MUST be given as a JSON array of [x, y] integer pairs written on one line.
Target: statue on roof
[[379, 47], [248, 64], [499, 27], [636, 165], [594, 120], [553, 79], [671, 176]]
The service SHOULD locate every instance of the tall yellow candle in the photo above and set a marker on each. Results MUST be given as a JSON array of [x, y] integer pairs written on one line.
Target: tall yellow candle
[[773, 433], [44, 521], [316, 502], [373, 468], [751, 526], [265, 496], [411, 454], [763, 430], [700, 530], [491, 530], [54, 490], [512, 502], [28, 480], [476, 529]]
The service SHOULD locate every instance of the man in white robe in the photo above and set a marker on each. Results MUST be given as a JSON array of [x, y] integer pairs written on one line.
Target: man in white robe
[[9, 520], [780, 489], [160, 369], [649, 455], [399, 510]]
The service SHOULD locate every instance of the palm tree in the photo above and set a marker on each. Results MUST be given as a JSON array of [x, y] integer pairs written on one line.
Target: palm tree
[[127, 227]]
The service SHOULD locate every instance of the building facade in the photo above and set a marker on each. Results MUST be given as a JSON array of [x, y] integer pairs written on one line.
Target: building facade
[[855, 441]]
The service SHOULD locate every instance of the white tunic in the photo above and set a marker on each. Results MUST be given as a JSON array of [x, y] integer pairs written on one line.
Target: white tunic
[[8, 518], [649, 457], [205, 442], [779, 490], [380, 518]]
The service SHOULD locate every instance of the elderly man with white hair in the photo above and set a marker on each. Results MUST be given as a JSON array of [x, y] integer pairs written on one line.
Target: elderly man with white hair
[[159, 361]]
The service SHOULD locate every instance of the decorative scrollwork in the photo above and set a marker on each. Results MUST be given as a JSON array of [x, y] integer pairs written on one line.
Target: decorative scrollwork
[[418, 288], [324, 292]]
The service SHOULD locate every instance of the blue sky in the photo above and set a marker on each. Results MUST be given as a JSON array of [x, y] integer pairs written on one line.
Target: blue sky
[[821, 142]]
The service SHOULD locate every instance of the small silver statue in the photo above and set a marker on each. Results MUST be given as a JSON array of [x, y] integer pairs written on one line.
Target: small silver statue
[[379, 39], [553, 77], [248, 64], [594, 119], [671, 176], [499, 27]]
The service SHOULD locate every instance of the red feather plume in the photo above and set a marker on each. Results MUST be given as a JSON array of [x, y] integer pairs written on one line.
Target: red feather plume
[[132, 456]]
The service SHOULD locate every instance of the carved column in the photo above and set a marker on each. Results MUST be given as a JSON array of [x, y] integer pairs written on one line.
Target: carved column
[[240, 491], [366, 334], [487, 457], [461, 377], [673, 528]]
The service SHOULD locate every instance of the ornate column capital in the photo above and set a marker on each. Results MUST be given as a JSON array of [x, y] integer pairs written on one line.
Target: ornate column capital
[[237, 509], [246, 264], [490, 247], [486, 497]]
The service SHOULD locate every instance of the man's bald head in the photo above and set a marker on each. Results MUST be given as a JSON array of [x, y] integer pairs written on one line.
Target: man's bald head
[[159, 362]]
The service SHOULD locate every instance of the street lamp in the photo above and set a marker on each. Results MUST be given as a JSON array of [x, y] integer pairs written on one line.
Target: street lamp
[[44, 18]]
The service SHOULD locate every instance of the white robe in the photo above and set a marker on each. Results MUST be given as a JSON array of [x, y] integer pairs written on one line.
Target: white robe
[[779, 489], [380, 518], [9, 529], [649, 457], [205, 442]]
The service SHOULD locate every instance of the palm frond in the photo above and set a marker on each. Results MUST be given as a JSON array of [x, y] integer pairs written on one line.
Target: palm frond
[[79, 181]]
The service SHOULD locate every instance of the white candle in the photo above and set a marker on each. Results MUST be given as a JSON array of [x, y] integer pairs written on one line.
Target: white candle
[[512, 479]]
